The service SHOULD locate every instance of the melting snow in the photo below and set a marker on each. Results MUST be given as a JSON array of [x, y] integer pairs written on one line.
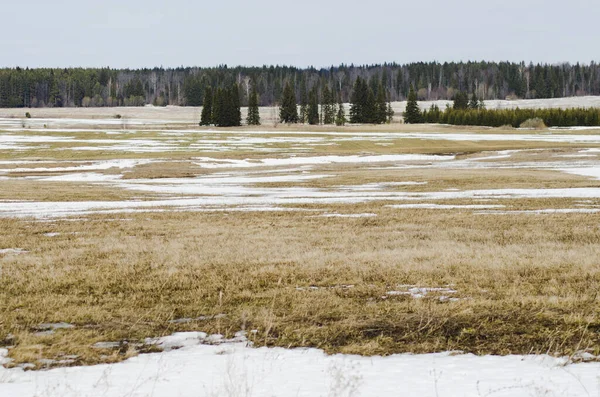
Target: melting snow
[[546, 211], [443, 206], [208, 162], [245, 198], [90, 166], [584, 171], [421, 292], [13, 251], [190, 368], [364, 215]]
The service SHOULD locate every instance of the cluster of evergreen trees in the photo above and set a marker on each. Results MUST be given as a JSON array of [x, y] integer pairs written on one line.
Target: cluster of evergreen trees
[[314, 108], [465, 111], [513, 117], [186, 86], [366, 107], [222, 107]]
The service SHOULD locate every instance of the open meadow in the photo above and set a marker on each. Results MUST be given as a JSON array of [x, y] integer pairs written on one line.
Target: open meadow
[[359, 240]]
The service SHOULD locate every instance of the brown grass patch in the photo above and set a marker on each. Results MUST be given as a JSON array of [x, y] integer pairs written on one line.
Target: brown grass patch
[[31, 190], [526, 284], [171, 169]]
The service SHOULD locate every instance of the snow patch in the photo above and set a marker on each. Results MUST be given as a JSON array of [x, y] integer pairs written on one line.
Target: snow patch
[[208, 162], [234, 369], [93, 166], [421, 292], [4, 358], [181, 340], [225, 197], [335, 215], [443, 206], [54, 326], [379, 185], [13, 251], [584, 171], [545, 211]]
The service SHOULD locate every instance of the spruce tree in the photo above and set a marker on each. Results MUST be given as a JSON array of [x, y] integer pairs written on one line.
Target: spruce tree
[[370, 107], [217, 116], [363, 105], [389, 113], [288, 112], [474, 102], [303, 102], [313, 106], [328, 106], [461, 101], [357, 102], [207, 108], [226, 107], [253, 113], [412, 114], [235, 110], [340, 118], [381, 106]]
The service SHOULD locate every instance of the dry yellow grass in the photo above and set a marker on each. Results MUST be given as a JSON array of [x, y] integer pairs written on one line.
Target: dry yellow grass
[[19, 189], [165, 169], [525, 283]]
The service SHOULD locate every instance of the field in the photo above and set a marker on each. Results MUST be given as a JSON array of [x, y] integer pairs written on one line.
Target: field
[[367, 240]]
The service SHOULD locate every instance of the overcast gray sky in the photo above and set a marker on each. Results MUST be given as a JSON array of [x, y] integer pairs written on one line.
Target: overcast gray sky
[[147, 33]]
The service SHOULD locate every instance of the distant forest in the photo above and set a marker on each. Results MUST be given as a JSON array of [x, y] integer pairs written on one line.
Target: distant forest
[[78, 87]]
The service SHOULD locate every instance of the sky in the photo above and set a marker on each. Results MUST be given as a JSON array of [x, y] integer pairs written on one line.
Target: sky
[[320, 33]]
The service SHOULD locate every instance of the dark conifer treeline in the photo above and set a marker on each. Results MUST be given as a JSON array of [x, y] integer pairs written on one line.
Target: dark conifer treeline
[[513, 117], [186, 86]]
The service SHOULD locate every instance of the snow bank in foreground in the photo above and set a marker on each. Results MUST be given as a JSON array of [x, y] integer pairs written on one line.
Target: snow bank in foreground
[[232, 369]]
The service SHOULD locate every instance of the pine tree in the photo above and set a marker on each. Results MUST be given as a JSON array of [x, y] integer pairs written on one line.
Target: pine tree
[[253, 113], [288, 112], [313, 106], [412, 114], [207, 109]]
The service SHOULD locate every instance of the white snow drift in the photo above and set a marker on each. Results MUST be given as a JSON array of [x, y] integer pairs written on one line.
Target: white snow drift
[[232, 369]]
